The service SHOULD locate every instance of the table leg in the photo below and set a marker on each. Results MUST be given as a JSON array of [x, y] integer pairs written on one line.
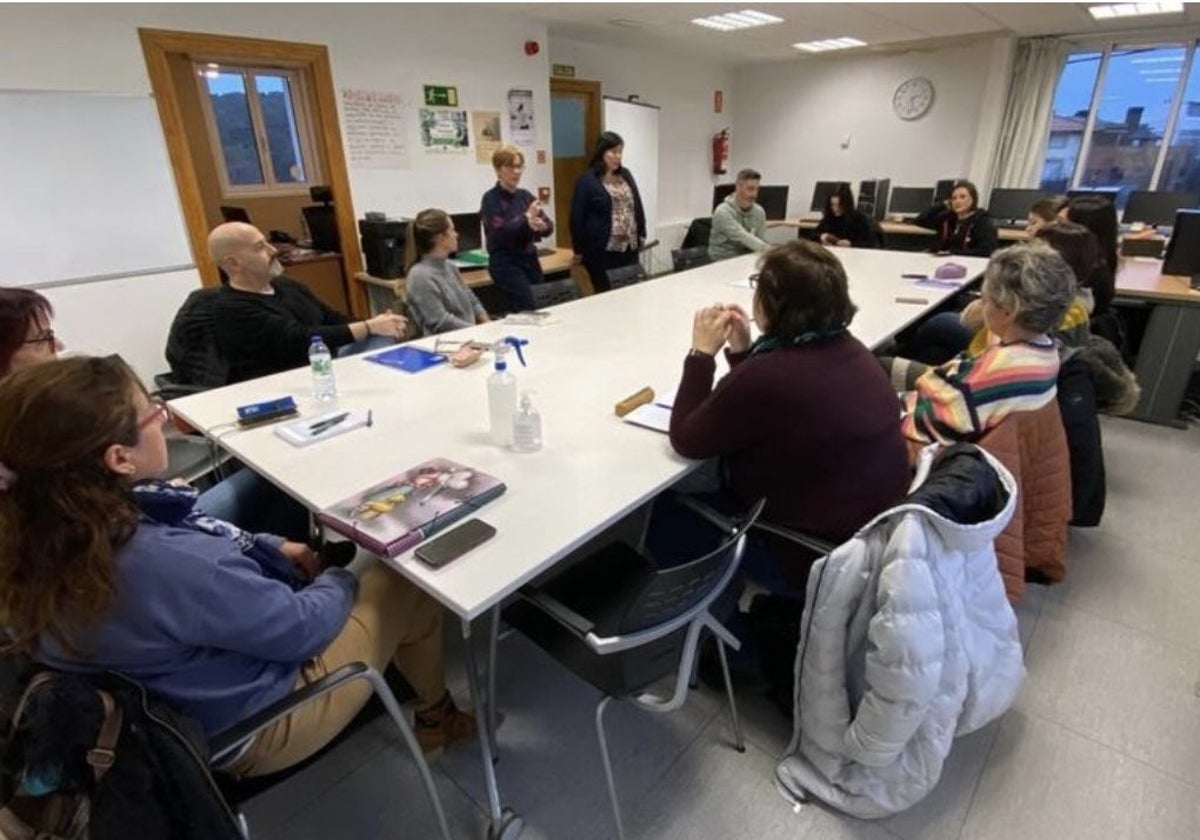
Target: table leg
[[1165, 362]]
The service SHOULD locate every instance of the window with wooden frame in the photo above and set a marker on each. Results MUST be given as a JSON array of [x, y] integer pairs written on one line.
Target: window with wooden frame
[[262, 137]]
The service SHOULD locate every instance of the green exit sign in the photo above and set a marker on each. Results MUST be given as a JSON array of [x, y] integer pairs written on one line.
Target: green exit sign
[[566, 71], [441, 95]]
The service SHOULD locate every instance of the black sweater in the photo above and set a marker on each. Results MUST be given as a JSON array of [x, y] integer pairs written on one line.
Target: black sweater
[[261, 334], [852, 226], [974, 236]]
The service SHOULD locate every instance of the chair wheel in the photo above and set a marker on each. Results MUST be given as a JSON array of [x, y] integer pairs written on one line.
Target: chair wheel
[[510, 827]]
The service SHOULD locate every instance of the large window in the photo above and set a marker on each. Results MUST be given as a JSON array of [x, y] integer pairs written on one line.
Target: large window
[[261, 134], [1124, 120]]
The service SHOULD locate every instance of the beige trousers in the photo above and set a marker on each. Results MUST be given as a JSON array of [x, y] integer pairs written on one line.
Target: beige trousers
[[391, 619]]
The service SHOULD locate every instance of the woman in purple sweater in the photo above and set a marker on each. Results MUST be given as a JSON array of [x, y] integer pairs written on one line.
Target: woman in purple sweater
[[805, 417]]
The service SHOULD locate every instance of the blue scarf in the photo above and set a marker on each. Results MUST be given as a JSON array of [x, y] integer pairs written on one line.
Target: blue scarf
[[175, 504]]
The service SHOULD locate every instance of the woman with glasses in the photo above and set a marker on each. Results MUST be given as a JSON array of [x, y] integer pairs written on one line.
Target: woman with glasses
[[26, 338], [103, 566], [513, 222]]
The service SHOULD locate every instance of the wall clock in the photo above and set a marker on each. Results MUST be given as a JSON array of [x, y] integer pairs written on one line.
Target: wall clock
[[913, 99]]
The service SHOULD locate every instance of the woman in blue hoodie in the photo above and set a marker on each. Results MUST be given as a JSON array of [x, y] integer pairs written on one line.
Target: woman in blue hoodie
[[103, 567]]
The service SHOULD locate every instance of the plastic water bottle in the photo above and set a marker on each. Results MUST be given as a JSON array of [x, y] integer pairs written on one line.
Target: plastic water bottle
[[502, 401], [527, 427], [323, 384]]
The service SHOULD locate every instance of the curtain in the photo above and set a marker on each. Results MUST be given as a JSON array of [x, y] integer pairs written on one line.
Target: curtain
[[1027, 112]]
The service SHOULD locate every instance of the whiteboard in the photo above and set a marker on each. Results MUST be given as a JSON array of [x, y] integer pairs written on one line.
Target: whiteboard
[[88, 191], [638, 126]]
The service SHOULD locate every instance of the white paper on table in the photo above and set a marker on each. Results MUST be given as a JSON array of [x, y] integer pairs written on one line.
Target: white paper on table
[[667, 400], [651, 416]]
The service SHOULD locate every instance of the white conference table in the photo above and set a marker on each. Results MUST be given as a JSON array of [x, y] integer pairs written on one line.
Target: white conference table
[[593, 468]]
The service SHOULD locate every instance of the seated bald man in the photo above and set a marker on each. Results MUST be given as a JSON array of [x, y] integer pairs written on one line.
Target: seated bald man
[[264, 321]]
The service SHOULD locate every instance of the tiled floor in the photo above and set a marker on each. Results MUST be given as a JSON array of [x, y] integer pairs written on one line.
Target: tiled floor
[[1104, 741]]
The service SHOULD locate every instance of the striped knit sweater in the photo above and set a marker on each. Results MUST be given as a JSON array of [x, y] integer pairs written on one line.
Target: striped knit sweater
[[968, 395]]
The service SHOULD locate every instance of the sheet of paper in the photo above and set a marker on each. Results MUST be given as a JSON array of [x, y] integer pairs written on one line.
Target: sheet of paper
[[651, 416], [667, 398]]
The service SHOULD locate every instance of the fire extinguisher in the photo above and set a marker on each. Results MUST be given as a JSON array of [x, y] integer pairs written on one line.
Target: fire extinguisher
[[720, 152]]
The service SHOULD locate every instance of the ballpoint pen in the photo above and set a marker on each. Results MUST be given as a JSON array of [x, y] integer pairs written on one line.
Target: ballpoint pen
[[327, 424]]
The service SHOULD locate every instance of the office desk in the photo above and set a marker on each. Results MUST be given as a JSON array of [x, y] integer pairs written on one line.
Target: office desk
[[320, 271], [1168, 353], [901, 233], [593, 470], [382, 291]]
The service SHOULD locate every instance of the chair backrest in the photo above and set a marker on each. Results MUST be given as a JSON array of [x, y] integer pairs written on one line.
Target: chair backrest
[[698, 233], [878, 238], [191, 342], [670, 593], [626, 275], [684, 258], [554, 292]]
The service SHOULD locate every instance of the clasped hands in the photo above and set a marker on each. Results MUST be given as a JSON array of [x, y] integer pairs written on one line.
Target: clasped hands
[[387, 324], [723, 323], [533, 215]]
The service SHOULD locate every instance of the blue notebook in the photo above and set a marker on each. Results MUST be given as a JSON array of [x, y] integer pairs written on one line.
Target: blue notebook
[[408, 359]]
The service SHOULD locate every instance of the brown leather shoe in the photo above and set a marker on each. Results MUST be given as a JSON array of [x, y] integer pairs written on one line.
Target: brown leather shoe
[[443, 724]]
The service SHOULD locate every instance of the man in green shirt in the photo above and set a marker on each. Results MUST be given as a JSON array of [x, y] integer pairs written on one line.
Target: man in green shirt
[[739, 224]]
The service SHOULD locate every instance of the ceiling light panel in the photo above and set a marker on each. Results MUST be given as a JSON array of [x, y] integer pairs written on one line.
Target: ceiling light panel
[[829, 44], [745, 19], [1123, 10]]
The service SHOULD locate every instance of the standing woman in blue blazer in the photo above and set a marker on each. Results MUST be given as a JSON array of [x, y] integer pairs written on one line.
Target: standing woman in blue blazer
[[608, 224]]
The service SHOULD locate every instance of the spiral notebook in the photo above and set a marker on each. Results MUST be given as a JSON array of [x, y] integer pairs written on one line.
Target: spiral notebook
[[393, 516]]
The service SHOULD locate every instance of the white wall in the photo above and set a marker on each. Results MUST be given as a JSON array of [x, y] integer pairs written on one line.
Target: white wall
[[791, 119], [388, 47], [683, 89]]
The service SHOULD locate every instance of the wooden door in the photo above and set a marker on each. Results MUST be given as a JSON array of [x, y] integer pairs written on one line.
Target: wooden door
[[575, 124]]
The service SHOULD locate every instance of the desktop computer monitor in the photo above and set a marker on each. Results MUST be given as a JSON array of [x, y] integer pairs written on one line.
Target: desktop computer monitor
[[1183, 252], [720, 193], [470, 231], [322, 227], [234, 214], [774, 201], [821, 193], [910, 201], [941, 192], [1157, 207], [1012, 205], [1107, 195]]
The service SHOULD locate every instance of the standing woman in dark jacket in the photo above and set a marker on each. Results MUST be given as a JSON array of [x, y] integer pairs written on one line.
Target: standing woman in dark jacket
[[842, 224], [608, 224], [513, 221], [962, 226]]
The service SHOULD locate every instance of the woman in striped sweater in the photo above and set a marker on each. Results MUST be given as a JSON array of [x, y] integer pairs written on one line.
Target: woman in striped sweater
[[1026, 292]]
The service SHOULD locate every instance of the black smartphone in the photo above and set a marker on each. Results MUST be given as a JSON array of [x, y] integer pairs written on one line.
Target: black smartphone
[[454, 543]]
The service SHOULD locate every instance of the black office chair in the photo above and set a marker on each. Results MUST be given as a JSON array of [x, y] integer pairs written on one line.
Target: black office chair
[[684, 258], [621, 623], [626, 275], [554, 292], [234, 214], [698, 233]]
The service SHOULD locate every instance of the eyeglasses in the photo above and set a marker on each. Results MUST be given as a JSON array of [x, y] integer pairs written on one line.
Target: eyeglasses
[[753, 278], [159, 411], [516, 167], [48, 337]]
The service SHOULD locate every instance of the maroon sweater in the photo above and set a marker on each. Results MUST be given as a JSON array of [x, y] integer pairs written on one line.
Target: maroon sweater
[[815, 428]]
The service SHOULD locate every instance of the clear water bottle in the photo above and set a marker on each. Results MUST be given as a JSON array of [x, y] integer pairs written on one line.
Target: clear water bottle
[[323, 384], [502, 401]]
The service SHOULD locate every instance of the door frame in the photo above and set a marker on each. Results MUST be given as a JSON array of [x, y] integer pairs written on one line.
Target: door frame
[[158, 43], [592, 117]]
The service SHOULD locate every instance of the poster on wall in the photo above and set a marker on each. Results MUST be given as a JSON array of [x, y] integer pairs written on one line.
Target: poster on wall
[[521, 127], [444, 130], [485, 134], [376, 129]]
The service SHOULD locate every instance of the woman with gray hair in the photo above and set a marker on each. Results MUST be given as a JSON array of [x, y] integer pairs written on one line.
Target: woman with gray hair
[[1026, 291]]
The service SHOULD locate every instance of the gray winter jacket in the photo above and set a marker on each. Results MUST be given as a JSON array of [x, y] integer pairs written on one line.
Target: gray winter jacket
[[907, 641]]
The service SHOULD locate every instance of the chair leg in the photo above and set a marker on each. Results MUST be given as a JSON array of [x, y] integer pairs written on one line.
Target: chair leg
[[380, 686], [738, 741], [608, 775], [491, 678]]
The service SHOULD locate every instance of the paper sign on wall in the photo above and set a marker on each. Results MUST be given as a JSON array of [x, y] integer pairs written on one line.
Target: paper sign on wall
[[441, 96], [485, 133], [376, 129], [521, 127], [444, 130]]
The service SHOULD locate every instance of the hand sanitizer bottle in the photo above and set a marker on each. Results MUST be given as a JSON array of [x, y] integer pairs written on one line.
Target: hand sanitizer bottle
[[526, 427]]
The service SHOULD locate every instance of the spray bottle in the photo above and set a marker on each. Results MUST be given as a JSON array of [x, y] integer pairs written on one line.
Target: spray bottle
[[502, 391]]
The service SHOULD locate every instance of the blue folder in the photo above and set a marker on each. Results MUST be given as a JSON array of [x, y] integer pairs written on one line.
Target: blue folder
[[408, 359]]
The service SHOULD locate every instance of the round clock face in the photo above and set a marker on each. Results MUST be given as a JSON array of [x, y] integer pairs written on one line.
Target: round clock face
[[913, 98]]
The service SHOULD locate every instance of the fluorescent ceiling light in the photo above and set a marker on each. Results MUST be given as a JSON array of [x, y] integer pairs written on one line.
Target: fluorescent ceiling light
[[1122, 10], [745, 19], [829, 44]]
